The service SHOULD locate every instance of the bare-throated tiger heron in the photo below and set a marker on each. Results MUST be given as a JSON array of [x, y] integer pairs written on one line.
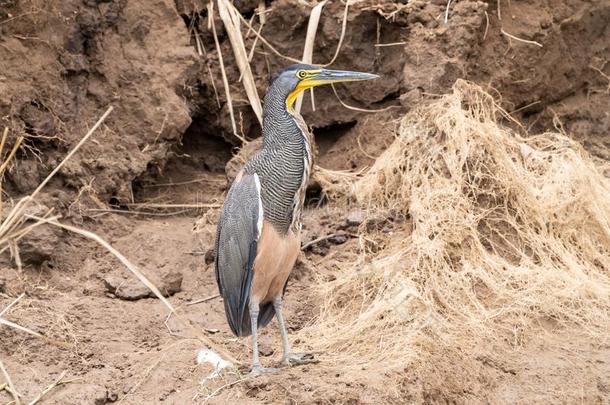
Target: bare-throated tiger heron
[[258, 239]]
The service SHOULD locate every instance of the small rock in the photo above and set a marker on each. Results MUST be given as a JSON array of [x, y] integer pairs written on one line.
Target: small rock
[[265, 350], [100, 398], [338, 239], [171, 283], [38, 120], [38, 245], [131, 289], [355, 218], [410, 98], [209, 256]]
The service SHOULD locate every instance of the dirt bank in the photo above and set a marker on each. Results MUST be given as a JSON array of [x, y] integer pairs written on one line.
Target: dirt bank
[[168, 142]]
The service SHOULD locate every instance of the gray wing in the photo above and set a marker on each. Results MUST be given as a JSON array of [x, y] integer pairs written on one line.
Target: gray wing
[[239, 228]]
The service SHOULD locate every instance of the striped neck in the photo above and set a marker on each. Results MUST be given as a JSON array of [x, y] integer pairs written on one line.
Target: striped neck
[[281, 126]]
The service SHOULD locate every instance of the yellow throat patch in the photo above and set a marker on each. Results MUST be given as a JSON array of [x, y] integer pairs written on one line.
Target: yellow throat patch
[[307, 82]]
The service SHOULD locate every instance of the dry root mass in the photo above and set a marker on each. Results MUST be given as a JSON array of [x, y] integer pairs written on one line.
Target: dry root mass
[[495, 237]]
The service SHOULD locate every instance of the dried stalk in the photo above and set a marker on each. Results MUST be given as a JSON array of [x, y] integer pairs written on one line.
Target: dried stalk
[[526, 41], [310, 39], [131, 267], [225, 81], [231, 23], [7, 377]]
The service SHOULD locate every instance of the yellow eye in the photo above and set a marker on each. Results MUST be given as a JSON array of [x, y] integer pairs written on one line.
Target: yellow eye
[[301, 74]]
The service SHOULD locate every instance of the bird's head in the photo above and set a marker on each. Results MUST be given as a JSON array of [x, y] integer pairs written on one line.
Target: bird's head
[[295, 79]]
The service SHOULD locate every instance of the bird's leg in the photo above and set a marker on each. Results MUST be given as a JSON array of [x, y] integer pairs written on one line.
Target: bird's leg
[[289, 357], [257, 369]]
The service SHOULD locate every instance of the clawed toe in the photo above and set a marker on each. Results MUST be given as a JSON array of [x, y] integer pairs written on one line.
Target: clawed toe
[[258, 370], [298, 358]]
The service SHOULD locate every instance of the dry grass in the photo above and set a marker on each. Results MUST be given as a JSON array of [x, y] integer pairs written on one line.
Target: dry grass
[[310, 39], [13, 226], [230, 18], [501, 234], [225, 81]]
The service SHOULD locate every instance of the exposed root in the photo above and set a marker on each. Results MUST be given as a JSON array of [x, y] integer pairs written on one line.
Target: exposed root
[[492, 243]]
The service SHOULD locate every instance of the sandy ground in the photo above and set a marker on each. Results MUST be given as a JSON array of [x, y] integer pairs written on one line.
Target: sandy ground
[[125, 351]]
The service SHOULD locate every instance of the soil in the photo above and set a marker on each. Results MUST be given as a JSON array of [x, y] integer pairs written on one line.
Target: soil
[[169, 141]]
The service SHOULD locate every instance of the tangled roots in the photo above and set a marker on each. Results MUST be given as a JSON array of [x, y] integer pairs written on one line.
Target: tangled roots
[[501, 236]]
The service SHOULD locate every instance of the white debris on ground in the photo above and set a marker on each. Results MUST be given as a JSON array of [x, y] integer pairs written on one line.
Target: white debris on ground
[[213, 358]]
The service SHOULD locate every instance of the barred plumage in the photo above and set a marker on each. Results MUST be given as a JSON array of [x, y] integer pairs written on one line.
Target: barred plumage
[[258, 237], [283, 164]]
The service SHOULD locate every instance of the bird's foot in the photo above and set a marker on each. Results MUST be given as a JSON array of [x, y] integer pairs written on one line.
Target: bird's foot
[[291, 359], [258, 370]]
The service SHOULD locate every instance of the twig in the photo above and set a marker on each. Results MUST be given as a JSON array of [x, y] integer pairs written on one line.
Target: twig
[[321, 238], [50, 387], [225, 81], [525, 106], [198, 43], [156, 205], [217, 390], [181, 183], [4, 138], [599, 70], [391, 44], [11, 154], [115, 252], [447, 11], [17, 16], [520, 39], [16, 214], [310, 39], [206, 299], [145, 376], [13, 325], [214, 86], [343, 28], [21, 328], [145, 213], [72, 152], [5, 310], [231, 23], [486, 25], [349, 107], [7, 377], [14, 249], [262, 38]]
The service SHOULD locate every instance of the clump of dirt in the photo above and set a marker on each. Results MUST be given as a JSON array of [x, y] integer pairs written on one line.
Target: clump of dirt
[[64, 62]]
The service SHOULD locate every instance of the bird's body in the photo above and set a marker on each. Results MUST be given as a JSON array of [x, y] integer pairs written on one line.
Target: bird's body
[[258, 237]]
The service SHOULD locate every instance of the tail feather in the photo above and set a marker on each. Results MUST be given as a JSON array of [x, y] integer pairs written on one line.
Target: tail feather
[[241, 326]]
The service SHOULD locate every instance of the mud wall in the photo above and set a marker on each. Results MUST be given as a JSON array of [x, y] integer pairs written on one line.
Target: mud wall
[[63, 62]]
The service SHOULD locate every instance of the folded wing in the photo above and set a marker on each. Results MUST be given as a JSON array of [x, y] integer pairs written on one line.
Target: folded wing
[[239, 229]]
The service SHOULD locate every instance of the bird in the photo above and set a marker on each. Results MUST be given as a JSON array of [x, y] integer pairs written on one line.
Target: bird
[[258, 232]]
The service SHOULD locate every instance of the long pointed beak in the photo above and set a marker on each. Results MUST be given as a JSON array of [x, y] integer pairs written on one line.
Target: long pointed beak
[[327, 76]]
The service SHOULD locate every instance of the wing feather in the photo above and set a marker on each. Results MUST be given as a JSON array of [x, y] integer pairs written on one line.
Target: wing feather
[[239, 229]]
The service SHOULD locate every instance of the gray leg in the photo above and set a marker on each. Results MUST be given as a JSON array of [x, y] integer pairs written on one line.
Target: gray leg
[[289, 357], [256, 365]]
